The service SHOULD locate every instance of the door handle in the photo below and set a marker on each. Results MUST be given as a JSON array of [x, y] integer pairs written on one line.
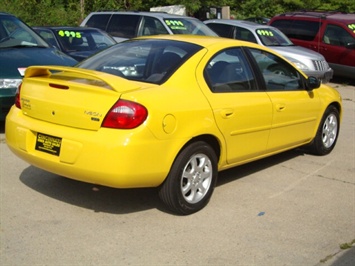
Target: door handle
[[280, 107], [226, 113]]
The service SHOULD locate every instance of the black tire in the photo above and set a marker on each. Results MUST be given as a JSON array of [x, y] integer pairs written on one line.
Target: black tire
[[327, 133], [191, 180]]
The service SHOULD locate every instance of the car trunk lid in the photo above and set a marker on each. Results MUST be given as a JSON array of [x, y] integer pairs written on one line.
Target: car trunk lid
[[70, 96]]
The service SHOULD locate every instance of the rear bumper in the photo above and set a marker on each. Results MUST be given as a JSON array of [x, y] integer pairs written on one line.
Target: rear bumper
[[109, 157]]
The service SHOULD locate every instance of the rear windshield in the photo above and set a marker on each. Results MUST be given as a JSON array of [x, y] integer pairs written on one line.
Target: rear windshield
[[152, 61]]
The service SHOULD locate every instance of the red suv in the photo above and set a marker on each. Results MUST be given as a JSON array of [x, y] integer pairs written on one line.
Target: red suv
[[329, 33]]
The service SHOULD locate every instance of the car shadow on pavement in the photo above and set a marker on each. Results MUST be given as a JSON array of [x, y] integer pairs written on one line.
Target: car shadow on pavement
[[238, 172], [90, 196], [341, 80], [342, 258], [2, 127], [123, 201]]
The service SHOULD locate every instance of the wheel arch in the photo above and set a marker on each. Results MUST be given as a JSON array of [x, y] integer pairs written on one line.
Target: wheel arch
[[337, 106], [213, 141]]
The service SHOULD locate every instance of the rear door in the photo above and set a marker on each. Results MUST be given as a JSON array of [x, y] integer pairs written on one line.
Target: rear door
[[123, 26], [223, 30], [242, 112]]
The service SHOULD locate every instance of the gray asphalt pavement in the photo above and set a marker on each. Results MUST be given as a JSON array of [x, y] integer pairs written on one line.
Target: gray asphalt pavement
[[289, 209]]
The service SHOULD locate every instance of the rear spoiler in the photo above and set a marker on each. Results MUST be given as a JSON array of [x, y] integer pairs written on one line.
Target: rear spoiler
[[116, 83]]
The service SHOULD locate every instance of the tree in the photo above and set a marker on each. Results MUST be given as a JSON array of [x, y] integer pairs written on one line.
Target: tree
[[71, 12]]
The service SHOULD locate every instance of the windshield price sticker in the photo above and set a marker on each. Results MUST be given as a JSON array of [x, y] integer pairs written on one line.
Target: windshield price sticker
[[68, 33], [48, 144], [352, 27], [175, 24], [265, 32]]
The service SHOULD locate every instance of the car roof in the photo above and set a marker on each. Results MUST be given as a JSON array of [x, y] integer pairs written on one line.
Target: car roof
[[328, 15], [156, 14], [66, 28], [241, 23], [202, 40], [6, 14]]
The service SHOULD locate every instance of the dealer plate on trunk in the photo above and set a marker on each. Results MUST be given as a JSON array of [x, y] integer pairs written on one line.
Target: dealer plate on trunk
[[48, 144]]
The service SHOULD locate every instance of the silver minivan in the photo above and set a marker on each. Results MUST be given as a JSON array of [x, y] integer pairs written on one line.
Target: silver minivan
[[308, 61], [123, 25]]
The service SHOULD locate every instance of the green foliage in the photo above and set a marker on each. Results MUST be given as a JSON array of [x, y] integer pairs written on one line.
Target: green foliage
[[43, 12], [71, 12]]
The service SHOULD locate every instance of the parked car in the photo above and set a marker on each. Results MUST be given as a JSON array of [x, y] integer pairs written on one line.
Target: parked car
[[330, 33], [124, 25], [169, 112], [77, 42], [310, 62], [21, 47], [259, 20]]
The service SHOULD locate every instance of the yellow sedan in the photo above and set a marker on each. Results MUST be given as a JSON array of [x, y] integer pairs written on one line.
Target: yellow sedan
[[169, 112]]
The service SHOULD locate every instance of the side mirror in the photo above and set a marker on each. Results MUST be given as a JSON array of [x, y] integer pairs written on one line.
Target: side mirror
[[350, 45], [312, 83]]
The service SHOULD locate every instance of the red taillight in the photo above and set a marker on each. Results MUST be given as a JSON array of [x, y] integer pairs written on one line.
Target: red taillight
[[17, 97], [125, 115]]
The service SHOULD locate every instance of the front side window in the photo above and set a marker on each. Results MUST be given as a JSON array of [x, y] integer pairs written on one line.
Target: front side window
[[245, 35], [278, 74], [335, 35], [151, 26], [230, 71]]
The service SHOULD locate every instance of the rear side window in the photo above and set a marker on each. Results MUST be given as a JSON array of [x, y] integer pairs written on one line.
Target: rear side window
[[229, 71], [298, 29], [123, 26], [98, 21], [222, 30]]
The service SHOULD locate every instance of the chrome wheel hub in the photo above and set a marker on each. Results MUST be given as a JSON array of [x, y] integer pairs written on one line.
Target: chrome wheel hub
[[329, 131], [196, 178]]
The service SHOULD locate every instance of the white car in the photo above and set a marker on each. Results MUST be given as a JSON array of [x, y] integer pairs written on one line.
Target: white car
[[310, 62]]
